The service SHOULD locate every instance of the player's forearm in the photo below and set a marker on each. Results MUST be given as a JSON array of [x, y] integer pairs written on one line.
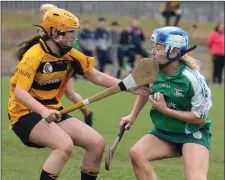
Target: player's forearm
[[139, 104], [27, 100], [187, 117], [107, 81], [102, 79]]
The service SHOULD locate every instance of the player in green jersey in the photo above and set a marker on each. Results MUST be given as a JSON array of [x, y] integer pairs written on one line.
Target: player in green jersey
[[179, 112]]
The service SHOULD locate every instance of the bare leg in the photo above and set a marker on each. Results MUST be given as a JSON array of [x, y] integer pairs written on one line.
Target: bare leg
[[87, 138], [57, 140], [196, 161], [147, 149]]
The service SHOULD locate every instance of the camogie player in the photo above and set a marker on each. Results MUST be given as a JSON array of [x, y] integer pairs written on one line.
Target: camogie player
[[68, 89], [181, 100], [46, 62]]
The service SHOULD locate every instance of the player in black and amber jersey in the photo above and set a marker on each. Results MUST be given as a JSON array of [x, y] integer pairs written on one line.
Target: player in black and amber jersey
[[69, 87], [46, 64]]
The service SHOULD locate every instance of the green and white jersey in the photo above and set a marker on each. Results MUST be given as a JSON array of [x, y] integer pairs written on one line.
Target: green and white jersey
[[186, 90]]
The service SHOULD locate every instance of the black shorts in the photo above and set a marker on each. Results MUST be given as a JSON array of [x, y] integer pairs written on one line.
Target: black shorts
[[26, 123]]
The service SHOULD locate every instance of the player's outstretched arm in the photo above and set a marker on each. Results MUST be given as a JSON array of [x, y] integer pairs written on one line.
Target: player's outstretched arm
[[105, 80], [132, 117]]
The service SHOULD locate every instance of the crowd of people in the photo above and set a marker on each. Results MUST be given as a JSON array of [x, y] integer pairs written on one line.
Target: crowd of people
[[111, 45]]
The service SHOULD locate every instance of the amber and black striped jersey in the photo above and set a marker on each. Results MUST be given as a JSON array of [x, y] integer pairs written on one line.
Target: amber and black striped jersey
[[171, 5], [44, 76]]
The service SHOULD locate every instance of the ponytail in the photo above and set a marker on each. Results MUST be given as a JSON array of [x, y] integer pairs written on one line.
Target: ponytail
[[191, 62], [25, 46]]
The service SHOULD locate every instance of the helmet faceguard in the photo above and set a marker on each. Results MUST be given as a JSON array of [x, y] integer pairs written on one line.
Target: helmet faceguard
[[172, 37], [156, 48]]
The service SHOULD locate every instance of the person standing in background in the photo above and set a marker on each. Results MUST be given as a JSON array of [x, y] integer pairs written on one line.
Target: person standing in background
[[87, 39], [126, 48], [215, 43], [114, 38], [138, 39], [171, 9], [102, 40]]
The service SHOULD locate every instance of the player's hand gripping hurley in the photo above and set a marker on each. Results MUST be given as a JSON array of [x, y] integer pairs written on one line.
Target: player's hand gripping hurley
[[111, 151], [144, 73]]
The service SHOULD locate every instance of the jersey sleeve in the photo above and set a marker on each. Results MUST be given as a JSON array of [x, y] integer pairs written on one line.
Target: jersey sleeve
[[201, 101], [81, 63], [26, 71]]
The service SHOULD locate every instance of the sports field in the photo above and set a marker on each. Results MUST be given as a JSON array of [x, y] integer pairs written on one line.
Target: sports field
[[22, 163]]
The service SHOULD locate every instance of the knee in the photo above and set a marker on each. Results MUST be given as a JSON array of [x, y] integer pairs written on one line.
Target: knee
[[98, 145], [136, 157], [66, 148], [196, 176]]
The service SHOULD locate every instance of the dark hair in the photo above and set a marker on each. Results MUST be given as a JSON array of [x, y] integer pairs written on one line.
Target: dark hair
[[101, 19], [25, 46], [217, 26], [115, 23]]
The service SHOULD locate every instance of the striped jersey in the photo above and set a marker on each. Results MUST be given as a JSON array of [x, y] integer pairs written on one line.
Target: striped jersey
[[186, 90], [44, 76]]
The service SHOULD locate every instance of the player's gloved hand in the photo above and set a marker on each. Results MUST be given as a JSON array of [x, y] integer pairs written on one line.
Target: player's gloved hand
[[51, 115], [128, 120]]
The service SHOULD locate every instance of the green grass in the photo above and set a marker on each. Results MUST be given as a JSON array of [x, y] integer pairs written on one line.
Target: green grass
[[22, 163]]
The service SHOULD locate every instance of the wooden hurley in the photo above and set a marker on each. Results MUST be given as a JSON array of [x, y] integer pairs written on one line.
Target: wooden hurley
[[111, 151], [144, 73]]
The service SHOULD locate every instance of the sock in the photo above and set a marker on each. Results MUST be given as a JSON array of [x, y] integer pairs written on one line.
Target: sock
[[86, 175], [85, 111], [47, 176]]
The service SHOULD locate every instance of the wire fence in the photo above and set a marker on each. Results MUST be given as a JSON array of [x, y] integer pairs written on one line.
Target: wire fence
[[198, 11]]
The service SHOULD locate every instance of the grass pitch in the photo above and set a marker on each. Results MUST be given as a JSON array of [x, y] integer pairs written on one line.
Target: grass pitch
[[22, 163]]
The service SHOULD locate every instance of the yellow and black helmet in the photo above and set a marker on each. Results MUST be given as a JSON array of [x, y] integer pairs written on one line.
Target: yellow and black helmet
[[60, 19]]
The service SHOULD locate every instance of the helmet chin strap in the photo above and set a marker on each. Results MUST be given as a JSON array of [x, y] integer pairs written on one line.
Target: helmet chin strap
[[62, 49], [179, 55]]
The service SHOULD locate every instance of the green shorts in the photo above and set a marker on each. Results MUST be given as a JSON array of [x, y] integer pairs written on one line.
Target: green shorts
[[202, 136]]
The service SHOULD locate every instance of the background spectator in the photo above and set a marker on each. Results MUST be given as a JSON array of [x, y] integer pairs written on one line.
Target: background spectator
[[102, 38], [138, 39], [87, 39], [126, 48], [215, 44], [114, 39], [171, 9]]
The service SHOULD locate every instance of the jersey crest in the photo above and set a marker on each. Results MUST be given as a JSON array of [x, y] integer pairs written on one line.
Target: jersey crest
[[47, 68]]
